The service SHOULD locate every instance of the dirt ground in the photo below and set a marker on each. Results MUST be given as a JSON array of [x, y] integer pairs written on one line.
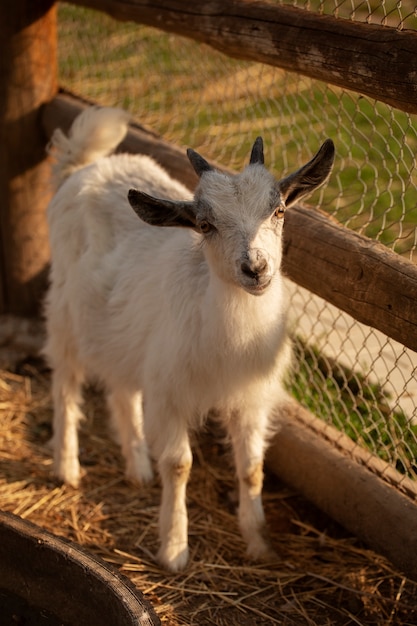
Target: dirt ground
[[322, 576]]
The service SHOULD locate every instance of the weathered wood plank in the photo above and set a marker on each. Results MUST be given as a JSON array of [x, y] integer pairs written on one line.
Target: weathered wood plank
[[360, 276], [363, 278], [380, 62]]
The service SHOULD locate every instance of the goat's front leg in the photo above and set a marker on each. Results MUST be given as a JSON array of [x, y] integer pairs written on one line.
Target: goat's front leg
[[248, 440], [170, 444]]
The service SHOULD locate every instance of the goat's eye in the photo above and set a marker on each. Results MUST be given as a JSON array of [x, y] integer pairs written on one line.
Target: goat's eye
[[279, 211], [205, 226]]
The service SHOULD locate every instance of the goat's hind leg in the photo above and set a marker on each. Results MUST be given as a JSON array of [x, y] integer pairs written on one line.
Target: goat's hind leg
[[67, 379], [66, 393], [127, 418], [248, 440]]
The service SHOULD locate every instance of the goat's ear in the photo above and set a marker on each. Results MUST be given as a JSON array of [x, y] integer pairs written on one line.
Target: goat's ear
[[309, 177], [198, 162], [158, 212], [257, 154]]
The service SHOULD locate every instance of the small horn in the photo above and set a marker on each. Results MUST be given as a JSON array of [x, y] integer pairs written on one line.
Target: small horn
[[257, 154], [198, 162]]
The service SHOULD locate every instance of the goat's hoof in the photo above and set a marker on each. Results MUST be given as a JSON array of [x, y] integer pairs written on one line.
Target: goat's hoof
[[68, 472], [173, 559], [260, 550], [140, 471]]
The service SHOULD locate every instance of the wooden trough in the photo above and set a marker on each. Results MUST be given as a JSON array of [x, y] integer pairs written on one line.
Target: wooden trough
[[60, 582]]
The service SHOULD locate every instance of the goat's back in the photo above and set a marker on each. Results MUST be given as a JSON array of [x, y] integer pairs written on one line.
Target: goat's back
[[103, 257], [90, 210]]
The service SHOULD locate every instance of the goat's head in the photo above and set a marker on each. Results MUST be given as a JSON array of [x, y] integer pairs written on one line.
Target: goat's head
[[240, 217]]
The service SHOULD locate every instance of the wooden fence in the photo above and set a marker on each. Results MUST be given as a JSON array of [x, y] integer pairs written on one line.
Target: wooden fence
[[360, 276]]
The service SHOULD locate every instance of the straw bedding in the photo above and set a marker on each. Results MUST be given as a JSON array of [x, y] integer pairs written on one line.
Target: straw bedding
[[322, 575]]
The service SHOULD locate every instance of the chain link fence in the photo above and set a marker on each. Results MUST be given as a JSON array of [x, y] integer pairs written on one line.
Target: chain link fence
[[395, 13], [348, 374]]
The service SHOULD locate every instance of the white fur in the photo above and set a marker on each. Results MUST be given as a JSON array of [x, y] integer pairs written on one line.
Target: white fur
[[167, 312]]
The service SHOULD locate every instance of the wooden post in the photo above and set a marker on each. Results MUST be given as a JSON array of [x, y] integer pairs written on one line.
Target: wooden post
[[28, 78]]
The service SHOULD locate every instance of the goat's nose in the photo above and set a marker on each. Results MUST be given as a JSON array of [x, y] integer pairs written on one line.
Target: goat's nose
[[254, 269]]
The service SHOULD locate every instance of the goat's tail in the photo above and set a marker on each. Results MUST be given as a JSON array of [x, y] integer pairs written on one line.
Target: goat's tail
[[94, 133]]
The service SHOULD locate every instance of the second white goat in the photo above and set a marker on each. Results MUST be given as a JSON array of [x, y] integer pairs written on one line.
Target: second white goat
[[174, 321]]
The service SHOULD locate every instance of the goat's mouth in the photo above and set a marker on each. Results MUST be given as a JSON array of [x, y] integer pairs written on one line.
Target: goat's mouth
[[257, 288]]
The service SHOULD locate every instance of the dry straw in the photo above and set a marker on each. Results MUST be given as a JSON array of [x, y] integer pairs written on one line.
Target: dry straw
[[322, 576]]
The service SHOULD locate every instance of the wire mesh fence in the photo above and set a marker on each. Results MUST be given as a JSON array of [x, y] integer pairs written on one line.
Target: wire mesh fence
[[349, 375], [394, 13]]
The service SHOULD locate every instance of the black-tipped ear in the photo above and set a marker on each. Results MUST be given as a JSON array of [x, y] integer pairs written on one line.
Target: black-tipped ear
[[159, 212], [305, 180], [257, 154], [198, 162]]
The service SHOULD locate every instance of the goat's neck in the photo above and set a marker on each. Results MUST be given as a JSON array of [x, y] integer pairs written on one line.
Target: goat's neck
[[234, 313]]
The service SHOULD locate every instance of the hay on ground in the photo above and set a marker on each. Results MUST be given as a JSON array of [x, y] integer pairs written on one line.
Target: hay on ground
[[322, 576]]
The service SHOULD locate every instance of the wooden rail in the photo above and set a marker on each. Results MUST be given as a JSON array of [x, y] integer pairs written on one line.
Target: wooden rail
[[380, 62], [360, 276]]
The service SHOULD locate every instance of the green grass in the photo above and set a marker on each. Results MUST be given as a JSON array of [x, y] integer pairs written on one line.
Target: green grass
[[352, 404]]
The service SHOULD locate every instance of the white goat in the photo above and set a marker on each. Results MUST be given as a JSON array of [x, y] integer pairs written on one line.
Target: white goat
[[192, 317]]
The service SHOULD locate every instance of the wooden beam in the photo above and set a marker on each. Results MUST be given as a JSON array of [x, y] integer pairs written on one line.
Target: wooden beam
[[321, 463], [28, 78], [360, 276], [378, 61]]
